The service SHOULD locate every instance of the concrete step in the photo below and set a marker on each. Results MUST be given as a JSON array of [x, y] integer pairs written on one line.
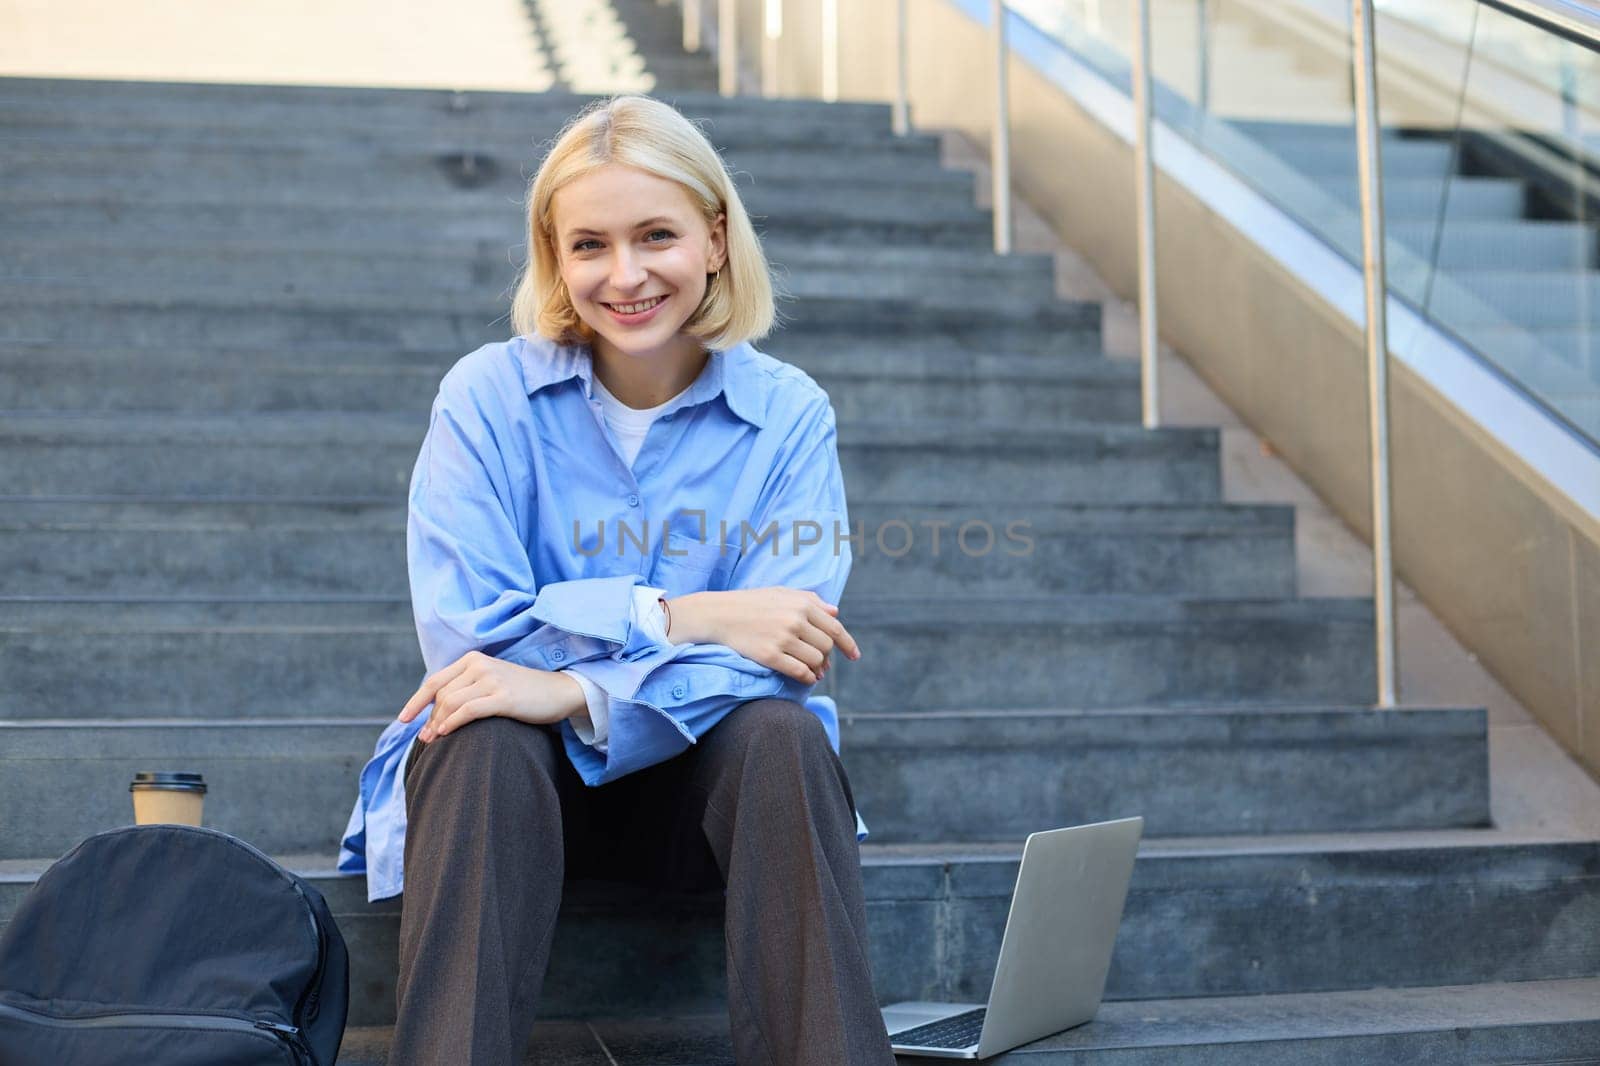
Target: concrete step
[[1523, 245], [270, 123], [1312, 134], [161, 657], [1019, 295], [521, 144], [1549, 374], [690, 78], [1420, 199], [1539, 300], [487, 279], [417, 184], [291, 266], [449, 166], [1503, 1021], [45, 377], [660, 48], [1078, 391], [458, 225], [1225, 916], [189, 548], [692, 73], [1337, 160], [1105, 651], [1469, 243], [1567, 354], [323, 454], [73, 317], [286, 783], [110, 102], [653, 31], [909, 349], [1548, 364], [1074, 357], [1557, 381]]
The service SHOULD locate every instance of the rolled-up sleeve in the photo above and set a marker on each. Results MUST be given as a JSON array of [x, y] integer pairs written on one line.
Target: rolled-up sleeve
[[472, 583], [662, 699], [647, 613]]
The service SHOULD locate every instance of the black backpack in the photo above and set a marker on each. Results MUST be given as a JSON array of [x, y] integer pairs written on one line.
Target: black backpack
[[171, 945]]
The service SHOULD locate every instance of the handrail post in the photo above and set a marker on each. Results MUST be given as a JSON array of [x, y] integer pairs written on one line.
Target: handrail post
[[1145, 208], [902, 61], [830, 50], [691, 25], [728, 47], [1572, 131], [1370, 162], [772, 29], [1000, 142]]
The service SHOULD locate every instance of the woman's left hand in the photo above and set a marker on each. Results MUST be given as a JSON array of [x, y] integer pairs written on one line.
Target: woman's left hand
[[479, 686]]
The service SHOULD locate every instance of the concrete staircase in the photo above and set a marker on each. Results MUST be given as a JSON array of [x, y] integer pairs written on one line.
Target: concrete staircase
[[1474, 244], [225, 314]]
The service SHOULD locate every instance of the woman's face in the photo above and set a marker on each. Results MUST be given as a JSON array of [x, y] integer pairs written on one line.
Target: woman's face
[[625, 238]]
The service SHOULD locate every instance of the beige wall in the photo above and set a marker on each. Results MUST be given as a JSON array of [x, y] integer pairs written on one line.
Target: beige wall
[[472, 44], [1509, 565]]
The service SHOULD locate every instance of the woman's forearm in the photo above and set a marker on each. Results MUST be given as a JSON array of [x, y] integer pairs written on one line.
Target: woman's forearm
[[568, 694], [689, 620]]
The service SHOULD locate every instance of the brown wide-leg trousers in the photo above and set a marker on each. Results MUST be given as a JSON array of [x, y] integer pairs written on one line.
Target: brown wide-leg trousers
[[497, 819]]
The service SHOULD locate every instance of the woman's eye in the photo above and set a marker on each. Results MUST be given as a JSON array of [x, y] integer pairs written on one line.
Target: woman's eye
[[666, 234]]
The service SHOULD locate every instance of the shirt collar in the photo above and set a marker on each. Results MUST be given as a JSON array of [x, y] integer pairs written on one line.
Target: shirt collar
[[731, 372]]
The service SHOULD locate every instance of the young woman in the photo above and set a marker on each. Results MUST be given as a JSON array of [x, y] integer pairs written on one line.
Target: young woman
[[627, 537]]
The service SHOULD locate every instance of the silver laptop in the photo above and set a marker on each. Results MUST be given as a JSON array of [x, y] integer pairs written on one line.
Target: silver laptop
[[1054, 954]]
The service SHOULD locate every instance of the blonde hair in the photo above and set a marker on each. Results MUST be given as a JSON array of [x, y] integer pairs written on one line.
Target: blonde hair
[[641, 132]]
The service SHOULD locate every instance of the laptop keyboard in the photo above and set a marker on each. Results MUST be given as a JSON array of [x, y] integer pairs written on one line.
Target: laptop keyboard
[[962, 1031]]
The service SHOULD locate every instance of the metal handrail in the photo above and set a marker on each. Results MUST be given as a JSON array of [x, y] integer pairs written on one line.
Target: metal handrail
[[902, 71], [1144, 183], [771, 35], [728, 47], [830, 50], [1000, 141], [1578, 22], [1369, 160], [691, 25]]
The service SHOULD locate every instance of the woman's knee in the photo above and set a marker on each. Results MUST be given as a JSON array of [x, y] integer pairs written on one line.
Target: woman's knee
[[783, 752], [478, 749], [774, 725]]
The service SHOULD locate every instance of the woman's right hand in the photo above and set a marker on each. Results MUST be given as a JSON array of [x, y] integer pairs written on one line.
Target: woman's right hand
[[790, 630]]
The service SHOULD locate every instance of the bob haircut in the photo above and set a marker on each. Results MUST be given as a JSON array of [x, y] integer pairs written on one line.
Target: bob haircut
[[639, 131]]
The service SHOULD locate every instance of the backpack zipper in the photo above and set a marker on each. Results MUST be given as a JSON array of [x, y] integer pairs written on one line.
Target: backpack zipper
[[317, 932], [152, 1019]]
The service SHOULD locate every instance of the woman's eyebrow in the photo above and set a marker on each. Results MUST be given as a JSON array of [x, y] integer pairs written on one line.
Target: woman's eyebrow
[[636, 225]]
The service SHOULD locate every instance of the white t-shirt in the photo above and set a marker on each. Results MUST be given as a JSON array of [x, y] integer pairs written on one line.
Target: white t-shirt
[[630, 425]]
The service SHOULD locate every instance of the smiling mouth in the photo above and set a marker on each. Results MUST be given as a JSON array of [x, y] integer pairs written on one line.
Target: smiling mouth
[[635, 308]]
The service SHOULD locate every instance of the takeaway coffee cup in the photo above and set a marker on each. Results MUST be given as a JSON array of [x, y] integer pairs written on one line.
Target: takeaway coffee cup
[[162, 797]]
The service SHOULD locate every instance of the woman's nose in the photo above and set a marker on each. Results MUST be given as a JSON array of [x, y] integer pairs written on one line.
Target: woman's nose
[[626, 270]]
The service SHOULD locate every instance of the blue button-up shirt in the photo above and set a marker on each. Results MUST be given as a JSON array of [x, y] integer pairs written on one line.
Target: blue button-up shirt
[[527, 534]]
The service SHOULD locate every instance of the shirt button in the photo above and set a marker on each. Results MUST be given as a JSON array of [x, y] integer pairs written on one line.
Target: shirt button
[[633, 499], [558, 656], [677, 691]]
